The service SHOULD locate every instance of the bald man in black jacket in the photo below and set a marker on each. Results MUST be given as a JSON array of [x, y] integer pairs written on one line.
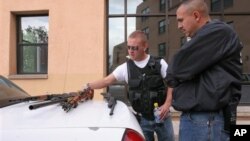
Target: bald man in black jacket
[[205, 75]]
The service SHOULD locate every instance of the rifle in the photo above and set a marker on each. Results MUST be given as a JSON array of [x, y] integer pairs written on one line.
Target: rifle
[[66, 100], [42, 97]]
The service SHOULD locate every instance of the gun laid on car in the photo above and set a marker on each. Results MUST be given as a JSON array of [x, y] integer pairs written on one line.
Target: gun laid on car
[[66, 100], [111, 102], [111, 105], [43, 97]]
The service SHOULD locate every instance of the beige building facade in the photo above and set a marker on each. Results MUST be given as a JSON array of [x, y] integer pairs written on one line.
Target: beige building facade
[[76, 44]]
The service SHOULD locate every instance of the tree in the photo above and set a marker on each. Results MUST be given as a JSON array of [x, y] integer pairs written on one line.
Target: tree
[[35, 35], [34, 52]]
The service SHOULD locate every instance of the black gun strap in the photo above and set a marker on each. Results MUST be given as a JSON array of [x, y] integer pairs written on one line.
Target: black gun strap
[[128, 70]]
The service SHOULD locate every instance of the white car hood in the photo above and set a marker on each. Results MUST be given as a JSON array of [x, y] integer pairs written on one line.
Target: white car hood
[[90, 119]]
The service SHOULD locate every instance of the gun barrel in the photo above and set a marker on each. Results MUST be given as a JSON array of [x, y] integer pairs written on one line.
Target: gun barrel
[[40, 105]]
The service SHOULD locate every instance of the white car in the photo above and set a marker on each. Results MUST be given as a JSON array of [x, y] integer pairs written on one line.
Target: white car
[[89, 121]]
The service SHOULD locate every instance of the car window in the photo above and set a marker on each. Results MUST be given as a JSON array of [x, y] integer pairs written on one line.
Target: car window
[[8, 91]]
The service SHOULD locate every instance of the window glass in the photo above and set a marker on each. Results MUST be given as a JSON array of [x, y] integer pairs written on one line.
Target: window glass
[[34, 29], [162, 26], [133, 6], [162, 49], [145, 11], [116, 41], [146, 31], [216, 5], [131, 26], [162, 5], [228, 3], [32, 47], [170, 3], [136, 6], [116, 6]]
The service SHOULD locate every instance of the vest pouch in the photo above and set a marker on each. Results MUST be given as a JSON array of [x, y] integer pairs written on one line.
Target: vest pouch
[[134, 99], [148, 104], [155, 82], [153, 96], [134, 83]]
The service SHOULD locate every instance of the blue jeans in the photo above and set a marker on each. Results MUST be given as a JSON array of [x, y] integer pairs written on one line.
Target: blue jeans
[[164, 131], [202, 126]]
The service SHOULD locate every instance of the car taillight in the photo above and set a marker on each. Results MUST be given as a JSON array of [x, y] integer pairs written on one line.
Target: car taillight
[[132, 135]]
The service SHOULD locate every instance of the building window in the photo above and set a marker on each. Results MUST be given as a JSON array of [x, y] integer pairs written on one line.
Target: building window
[[32, 44], [145, 12], [170, 4], [162, 5], [216, 5], [162, 50], [146, 31], [228, 3], [162, 26]]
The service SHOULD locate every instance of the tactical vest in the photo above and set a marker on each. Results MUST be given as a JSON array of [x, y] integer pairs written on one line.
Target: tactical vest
[[146, 86]]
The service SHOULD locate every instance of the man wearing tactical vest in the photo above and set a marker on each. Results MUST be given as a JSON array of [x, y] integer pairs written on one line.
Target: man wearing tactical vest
[[145, 76]]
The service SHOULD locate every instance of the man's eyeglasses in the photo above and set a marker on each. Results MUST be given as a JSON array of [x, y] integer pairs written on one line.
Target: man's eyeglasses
[[134, 48]]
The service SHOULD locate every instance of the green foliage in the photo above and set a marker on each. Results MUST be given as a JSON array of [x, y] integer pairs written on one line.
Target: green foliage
[[35, 35], [31, 53]]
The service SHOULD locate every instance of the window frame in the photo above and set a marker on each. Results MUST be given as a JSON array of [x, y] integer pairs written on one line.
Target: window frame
[[220, 5], [162, 6], [145, 11], [146, 31], [20, 45], [162, 26], [164, 45]]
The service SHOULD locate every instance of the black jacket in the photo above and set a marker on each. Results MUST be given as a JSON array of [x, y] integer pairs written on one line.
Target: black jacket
[[206, 72]]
